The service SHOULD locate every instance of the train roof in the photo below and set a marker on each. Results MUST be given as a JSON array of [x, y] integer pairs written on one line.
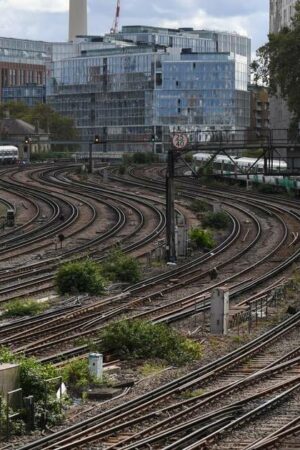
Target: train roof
[[8, 147], [240, 161]]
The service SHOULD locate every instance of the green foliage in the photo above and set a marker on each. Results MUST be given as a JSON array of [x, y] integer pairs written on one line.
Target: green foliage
[[61, 128], [76, 374], [201, 238], [121, 267], [80, 277], [199, 206], [278, 66], [20, 308], [152, 368], [140, 339], [122, 170], [193, 394], [253, 153], [218, 220], [43, 156], [33, 375], [188, 157], [140, 158], [266, 189]]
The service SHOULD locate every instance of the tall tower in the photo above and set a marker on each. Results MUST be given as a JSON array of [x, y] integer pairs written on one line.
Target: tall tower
[[77, 18]]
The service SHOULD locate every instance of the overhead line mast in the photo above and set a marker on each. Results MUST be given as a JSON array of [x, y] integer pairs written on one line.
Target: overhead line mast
[[115, 26]]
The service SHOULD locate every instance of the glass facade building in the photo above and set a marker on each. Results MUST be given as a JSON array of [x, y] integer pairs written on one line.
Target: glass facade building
[[25, 64], [135, 84], [161, 81]]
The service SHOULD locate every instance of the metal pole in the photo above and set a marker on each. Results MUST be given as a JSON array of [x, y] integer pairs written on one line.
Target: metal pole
[[90, 157], [170, 209]]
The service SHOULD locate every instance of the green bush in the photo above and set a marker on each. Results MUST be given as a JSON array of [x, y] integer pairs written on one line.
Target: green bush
[[140, 158], [120, 267], [218, 220], [143, 340], [76, 374], [267, 189], [80, 277], [199, 206], [20, 308], [201, 238], [122, 170], [33, 375]]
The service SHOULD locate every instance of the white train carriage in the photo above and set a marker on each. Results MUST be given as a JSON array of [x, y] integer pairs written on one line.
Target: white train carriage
[[9, 154], [230, 165]]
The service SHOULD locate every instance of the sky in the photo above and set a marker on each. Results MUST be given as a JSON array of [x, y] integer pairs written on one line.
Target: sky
[[48, 20]]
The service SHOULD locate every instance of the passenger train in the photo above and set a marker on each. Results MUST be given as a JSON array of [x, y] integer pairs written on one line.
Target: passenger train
[[9, 154], [232, 167]]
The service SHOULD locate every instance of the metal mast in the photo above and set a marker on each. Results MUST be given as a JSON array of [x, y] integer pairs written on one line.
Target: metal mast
[[115, 26]]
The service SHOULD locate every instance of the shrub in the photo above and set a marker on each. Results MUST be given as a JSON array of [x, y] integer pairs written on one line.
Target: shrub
[[201, 238], [33, 375], [140, 158], [267, 189], [199, 206], [76, 374], [80, 277], [140, 339], [216, 220], [122, 170], [20, 308], [120, 267]]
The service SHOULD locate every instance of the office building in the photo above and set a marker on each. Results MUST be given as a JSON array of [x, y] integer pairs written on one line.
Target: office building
[[153, 81]]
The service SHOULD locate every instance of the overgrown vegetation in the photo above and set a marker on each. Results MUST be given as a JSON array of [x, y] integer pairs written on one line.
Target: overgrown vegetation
[[77, 377], [20, 308], [199, 206], [152, 368], [139, 339], [278, 67], [218, 220], [201, 238], [33, 377], [121, 267], [42, 156], [80, 277], [140, 158]]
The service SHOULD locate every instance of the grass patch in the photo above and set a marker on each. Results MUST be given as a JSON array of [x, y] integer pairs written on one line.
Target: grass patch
[[219, 220], [199, 206], [193, 394], [21, 308], [152, 368]]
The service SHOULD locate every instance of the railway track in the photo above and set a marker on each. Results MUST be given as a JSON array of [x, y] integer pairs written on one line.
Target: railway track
[[87, 322], [261, 360]]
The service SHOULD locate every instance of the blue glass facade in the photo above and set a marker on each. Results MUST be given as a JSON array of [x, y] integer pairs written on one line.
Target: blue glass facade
[[145, 88], [136, 83]]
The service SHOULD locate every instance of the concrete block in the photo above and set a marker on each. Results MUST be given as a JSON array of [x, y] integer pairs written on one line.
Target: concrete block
[[9, 378], [219, 312]]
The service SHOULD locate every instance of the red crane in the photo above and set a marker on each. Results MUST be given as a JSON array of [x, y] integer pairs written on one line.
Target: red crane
[[115, 26]]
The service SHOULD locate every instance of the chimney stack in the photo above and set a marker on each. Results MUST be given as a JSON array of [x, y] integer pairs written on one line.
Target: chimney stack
[[77, 19]]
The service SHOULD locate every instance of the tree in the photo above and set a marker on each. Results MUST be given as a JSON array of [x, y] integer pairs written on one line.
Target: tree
[[60, 128], [278, 66], [80, 277]]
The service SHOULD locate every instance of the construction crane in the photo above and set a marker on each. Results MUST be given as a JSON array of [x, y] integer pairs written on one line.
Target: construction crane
[[115, 26]]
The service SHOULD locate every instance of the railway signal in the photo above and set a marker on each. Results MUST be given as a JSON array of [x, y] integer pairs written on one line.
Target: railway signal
[[179, 143]]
